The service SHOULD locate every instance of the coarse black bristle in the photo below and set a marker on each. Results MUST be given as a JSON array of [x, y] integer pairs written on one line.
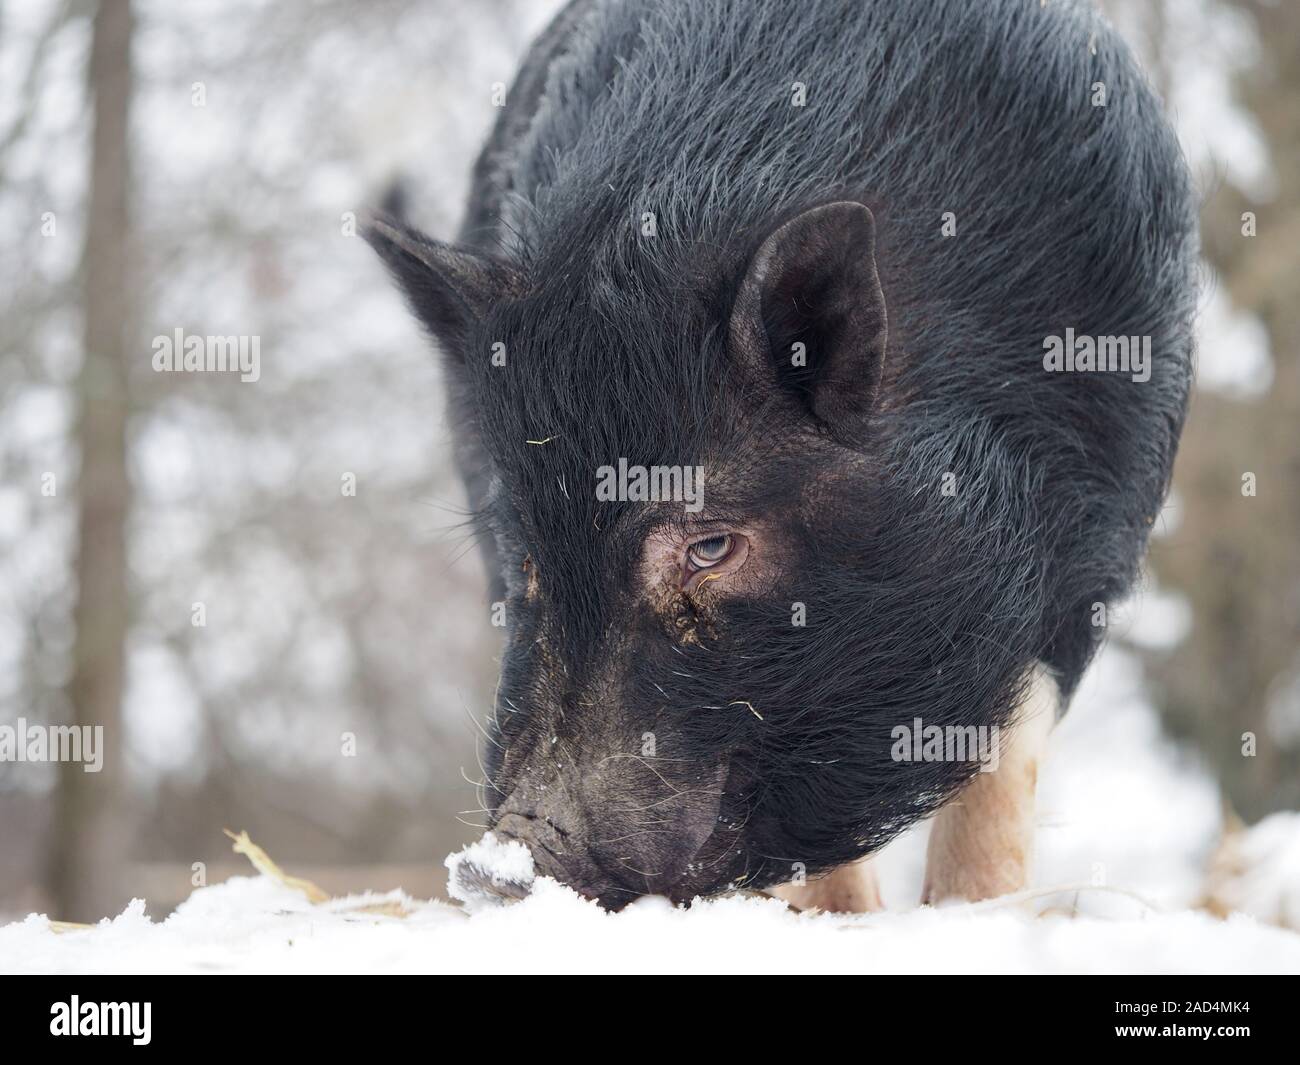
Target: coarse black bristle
[[920, 603]]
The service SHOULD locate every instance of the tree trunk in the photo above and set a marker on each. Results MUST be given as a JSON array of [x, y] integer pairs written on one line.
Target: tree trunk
[[91, 828]]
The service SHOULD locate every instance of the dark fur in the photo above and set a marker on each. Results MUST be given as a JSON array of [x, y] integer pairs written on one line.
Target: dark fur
[[919, 605]]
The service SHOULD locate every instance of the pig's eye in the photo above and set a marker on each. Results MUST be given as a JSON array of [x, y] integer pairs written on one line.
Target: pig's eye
[[707, 557], [704, 554], [712, 557]]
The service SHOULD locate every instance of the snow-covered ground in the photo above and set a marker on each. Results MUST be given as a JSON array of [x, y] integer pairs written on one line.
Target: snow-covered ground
[[1127, 827], [257, 925]]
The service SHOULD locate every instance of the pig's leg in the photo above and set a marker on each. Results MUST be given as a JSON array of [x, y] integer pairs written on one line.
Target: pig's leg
[[981, 843], [848, 889]]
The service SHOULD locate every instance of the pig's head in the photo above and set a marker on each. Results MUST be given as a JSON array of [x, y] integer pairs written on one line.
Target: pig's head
[[702, 691]]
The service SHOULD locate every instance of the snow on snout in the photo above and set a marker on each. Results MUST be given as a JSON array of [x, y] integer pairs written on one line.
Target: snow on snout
[[490, 871]]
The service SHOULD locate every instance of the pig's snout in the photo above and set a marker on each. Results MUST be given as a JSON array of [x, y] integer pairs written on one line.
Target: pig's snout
[[557, 854], [613, 879]]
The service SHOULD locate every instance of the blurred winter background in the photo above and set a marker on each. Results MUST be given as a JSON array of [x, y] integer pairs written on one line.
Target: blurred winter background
[[221, 202]]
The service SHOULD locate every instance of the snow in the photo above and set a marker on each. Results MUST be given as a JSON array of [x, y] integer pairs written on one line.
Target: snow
[[1263, 875], [506, 864], [255, 925]]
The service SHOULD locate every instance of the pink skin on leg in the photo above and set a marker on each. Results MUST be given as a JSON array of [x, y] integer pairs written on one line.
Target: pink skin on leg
[[848, 889], [981, 844]]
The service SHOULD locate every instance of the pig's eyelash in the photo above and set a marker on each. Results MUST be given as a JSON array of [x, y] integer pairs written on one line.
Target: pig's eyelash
[[692, 526]]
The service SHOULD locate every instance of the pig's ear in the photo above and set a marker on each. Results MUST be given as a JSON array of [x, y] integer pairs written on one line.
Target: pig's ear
[[810, 315], [449, 288]]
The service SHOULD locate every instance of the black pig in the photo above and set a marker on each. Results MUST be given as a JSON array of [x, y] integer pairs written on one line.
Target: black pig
[[816, 252]]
